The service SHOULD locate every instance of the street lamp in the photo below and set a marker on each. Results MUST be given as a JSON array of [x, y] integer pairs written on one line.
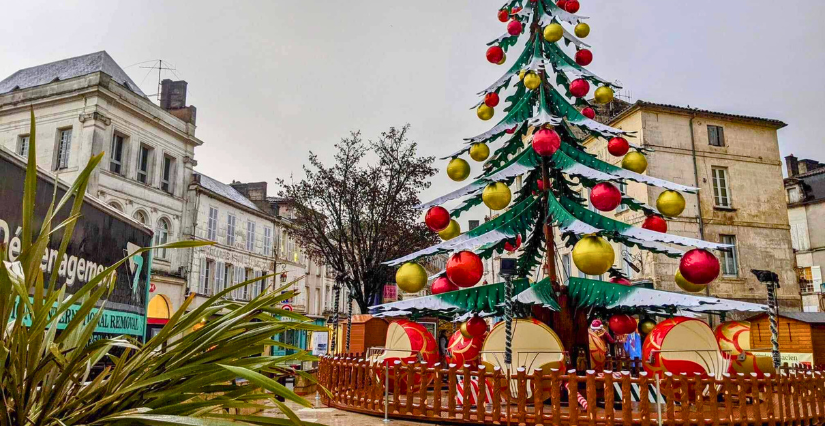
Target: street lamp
[[507, 269]]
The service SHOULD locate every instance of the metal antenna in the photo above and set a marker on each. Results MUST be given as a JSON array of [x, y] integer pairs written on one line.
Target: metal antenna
[[160, 68]]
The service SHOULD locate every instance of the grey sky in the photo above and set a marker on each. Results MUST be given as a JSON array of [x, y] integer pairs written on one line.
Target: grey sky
[[274, 79]]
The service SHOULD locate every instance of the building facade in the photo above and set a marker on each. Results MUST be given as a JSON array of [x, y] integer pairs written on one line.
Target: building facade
[[805, 191]]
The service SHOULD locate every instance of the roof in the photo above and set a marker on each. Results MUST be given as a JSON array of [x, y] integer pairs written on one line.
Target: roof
[[676, 108], [225, 191], [814, 185], [806, 317], [66, 69]]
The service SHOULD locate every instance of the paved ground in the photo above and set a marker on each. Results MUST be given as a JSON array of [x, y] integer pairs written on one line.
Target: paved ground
[[332, 417]]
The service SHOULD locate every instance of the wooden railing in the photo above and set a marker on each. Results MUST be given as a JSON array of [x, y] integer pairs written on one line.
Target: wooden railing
[[795, 396]]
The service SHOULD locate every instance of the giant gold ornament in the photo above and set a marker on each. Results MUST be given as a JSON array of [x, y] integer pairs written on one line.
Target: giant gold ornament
[[635, 162], [532, 80], [670, 203], [458, 169], [553, 32], [593, 255], [646, 326], [411, 277], [521, 74], [451, 231], [603, 95], [479, 151], [582, 30], [687, 285], [496, 196], [484, 112]]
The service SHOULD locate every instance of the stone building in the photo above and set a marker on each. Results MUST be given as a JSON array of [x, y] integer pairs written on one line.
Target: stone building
[[805, 190], [88, 104]]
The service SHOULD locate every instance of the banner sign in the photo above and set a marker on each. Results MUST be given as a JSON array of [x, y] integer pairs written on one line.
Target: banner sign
[[792, 358], [319, 343]]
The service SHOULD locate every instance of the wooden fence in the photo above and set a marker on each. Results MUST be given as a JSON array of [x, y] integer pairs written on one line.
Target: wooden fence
[[794, 397]]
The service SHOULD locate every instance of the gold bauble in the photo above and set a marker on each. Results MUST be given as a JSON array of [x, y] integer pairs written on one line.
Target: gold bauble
[[593, 255], [670, 203], [603, 95], [582, 30], [479, 151], [485, 112], [635, 162], [451, 231], [496, 196], [458, 169], [553, 32], [532, 80], [464, 332], [503, 60], [521, 74], [646, 326], [687, 285], [411, 277]]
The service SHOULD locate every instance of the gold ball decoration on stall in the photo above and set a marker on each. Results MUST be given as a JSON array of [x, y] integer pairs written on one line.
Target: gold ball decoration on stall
[[503, 59], [521, 74], [670, 203], [458, 169], [593, 255], [603, 95], [411, 277], [532, 80], [479, 151], [582, 30], [484, 112], [496, 196], [646, 326], [451, 231], [634, 161], [553, 32], [687, 285]]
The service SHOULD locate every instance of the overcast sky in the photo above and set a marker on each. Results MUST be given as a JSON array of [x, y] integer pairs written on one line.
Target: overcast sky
[[274, 79]]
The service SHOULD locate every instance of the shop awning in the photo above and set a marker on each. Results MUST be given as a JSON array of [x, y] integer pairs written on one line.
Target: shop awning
[[483, 300]]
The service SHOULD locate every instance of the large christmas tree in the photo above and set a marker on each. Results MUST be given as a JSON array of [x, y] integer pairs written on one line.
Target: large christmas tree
[[548, 114]]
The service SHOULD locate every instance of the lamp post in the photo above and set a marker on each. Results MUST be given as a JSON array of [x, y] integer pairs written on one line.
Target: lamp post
[[771, 280], [336, 290], [507, 269]]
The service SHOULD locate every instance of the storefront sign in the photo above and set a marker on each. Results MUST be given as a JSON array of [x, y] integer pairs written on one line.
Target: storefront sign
[[792, 358], [319, 343]]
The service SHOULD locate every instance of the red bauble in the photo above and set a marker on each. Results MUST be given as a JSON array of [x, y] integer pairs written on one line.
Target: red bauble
[[491, 99], [579, 87], [605, 197], [465, 269], [514, 27], [622, 324], [655, 223], [589, 113], [572, 6], [476, 326], [561, 4], [443, 285], [584, 57], [437, 219], [540, 184], [510, 247], [618, 146], [622, 281], [511, 131], [699, 266], [503, 15], [546, 142], [494, 54]]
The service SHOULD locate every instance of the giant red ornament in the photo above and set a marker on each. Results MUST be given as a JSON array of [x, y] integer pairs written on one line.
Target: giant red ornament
[[699, 266], [491, 99], [571, 6], [584, 57], [540, 184], [605, 197], [437, 218], [622, 324], [476, 326], [443, 285], [465, 269], [503, 15], [462, 350], [514, 27], [546, 142], [561, 4], [622, 281], [589, 113], [618, 146], [579, 87], [655, 223], [495, 54], [681, 345], [511, 247], [407, 341]]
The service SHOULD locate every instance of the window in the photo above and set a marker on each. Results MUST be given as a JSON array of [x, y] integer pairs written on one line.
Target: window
[[212, 225], [805, 278], [793, 195], [116, 206], [250, 235], [730, 265], [229, 277], [23, 145], [230, 229], [207, 268], [565, 262], [162, 237], [144, 157], [245, 291], [141, 217], [116, 161], [239, 278], [267, 241], [220, 277], [623, 189], [166, 177], [716, 135], [721, 193], [64, 146]]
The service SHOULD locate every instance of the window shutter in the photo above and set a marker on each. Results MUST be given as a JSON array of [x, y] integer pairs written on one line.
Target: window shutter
[[219, 274], [239, 273], [720, 135], [816, 275], [712, 135], [202, 281]]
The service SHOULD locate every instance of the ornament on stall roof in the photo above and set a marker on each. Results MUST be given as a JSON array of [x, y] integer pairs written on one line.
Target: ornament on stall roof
[[553, 32], [622, 324], [603, 95], [484, 112], [579, 87], [496, 196], [451, 231], [503, 15], [584, 57], [513, 247], [532, 80], [593, 255], [687, 285], [546, 142], [589, 113], [634, 161], [646, 326], [491, 99], [465, 269], [479, 151], [494, 54], [411, 277], [474, 327], [699, 266], [605, 196], [443, 285], [521, 74], [655, 223], [540, 184], [670, 203], [618, 146], [458, 169], [561, 4], [621, 280], [572, 6], [514, 27], [462, 350], [582, 30], [437, 218]]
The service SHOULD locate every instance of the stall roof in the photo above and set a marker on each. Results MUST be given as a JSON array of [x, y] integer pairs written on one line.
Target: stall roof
[[816, 318]]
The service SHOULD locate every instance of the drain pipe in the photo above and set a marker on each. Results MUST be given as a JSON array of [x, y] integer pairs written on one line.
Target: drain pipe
[[698, 195]]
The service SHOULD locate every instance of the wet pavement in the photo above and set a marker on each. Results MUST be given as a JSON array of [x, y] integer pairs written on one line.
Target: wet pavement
[[320, 413]]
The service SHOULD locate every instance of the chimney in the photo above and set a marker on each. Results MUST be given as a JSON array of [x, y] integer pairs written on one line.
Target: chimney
[[792, 164], [254, 191], [173, 99]]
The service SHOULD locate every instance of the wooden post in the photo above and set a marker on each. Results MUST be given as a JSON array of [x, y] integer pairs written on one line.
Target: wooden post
[[644, 398], [481, 401], [627, 407], [819, 396], [757, 402], [439, 383], [468, 390], [555, 397], [572, 401], [497, 381], [409, 392], [713, 400], [671, 395], [609, 396], [699, 390], [781, 394], [426, 372], [727, 392], [743, 402], [521, 380], [538, 395], [396, 387], [806, 388], [451, 389], [684, 398], [590, 391], [770, 399], [794, 391]]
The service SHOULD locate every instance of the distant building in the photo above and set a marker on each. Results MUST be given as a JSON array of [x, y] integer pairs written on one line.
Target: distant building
[[805, 191]]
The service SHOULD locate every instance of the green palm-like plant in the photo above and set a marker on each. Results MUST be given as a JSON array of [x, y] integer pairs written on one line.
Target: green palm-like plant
[[185, 374]]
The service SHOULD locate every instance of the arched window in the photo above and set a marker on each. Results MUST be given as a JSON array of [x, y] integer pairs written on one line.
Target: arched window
[[162, 237], [115, 205], [141, 217]]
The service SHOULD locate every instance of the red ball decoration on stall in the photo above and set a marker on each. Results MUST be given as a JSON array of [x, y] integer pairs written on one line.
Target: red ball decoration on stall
[[513, 247], [540, 184], [622, 281], [561, 4], [491, 99], [584, 57], [465, 269], [579, 87], [476, 326], [443, 285], [546, 142], [699, 266], [503, 15], [514, 27], [589, 113], [605, 196], [618, 146], [572, 6], [495, 54], [655, 223], [437, 219], [622, 324]]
